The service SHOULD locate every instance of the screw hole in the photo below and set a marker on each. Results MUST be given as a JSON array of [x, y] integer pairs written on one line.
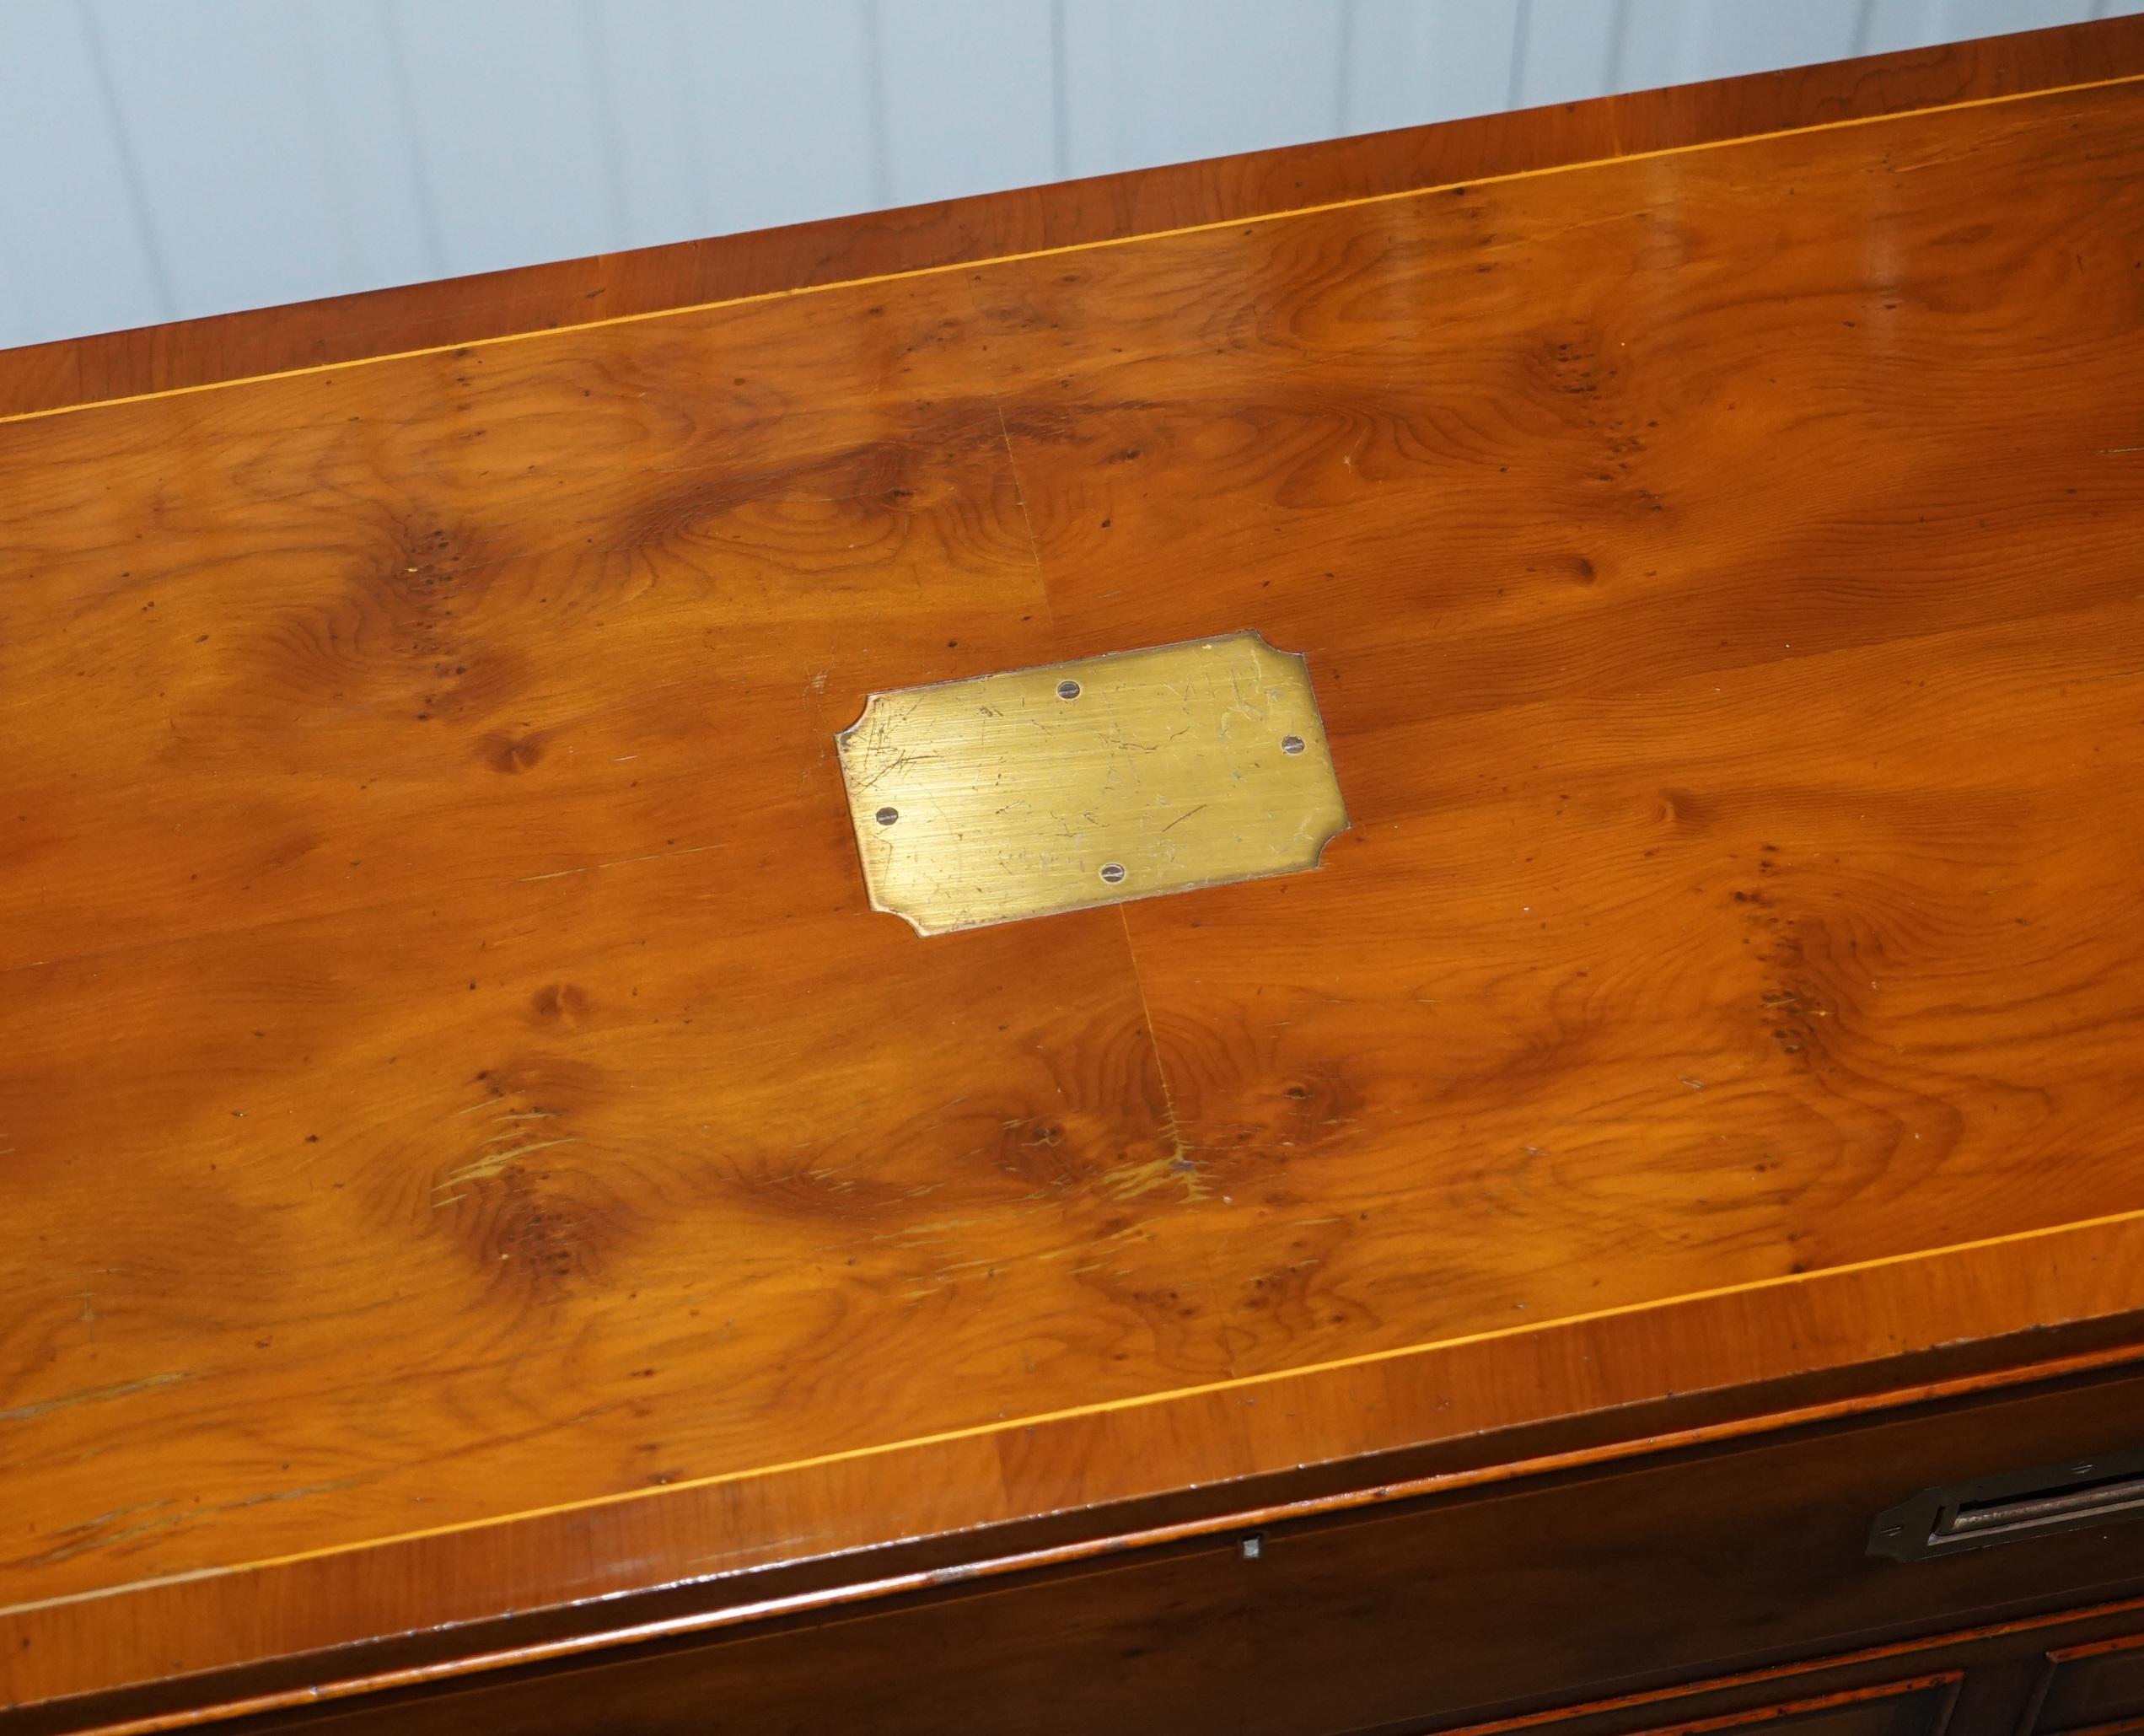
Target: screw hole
[[1113, 871], [887, 816], [1068, 690], [1291, 744]]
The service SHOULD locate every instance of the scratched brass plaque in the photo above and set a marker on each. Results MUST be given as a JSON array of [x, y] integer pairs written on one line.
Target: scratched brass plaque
[[1128, 776]]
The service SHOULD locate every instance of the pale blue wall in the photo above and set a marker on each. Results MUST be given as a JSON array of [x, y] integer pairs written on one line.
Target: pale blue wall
[[166, 157]]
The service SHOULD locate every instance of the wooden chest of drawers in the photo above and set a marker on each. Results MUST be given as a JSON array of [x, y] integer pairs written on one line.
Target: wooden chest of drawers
[[502, 1235]]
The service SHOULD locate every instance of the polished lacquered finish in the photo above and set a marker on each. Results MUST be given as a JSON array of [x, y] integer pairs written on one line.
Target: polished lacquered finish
[[472, 1146]]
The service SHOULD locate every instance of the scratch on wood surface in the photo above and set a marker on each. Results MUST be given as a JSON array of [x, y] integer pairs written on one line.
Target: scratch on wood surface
[[917, 1230], [623, 862], [112, 1538], [1139, 1179], [486, 1167], [94, 1396], [67, 1552]]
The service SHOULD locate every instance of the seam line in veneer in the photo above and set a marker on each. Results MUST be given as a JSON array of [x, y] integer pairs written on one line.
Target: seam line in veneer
[[1497, 179], [1178, 1151], [2083, 613], [1007, 1425]]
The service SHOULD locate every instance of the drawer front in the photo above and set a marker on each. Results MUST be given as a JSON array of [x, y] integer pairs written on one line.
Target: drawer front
[[1913, 1709], [1921, 1706], [2089, 1687]]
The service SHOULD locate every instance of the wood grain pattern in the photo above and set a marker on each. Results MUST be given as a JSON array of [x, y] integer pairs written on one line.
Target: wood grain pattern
[[798, 1540], [1625, 1598], [573, 291], [481, 861], [451, 1071], [1713, 788]]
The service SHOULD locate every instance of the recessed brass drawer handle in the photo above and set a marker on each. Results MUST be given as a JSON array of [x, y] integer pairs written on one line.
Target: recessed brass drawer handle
[[2009, 1509]]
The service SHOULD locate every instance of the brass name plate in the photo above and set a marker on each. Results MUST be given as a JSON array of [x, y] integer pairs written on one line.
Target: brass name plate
[[1042, 790]]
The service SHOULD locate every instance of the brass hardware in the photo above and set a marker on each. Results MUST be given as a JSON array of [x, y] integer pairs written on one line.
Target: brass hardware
[[1042, 790], [2105, 1490]]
